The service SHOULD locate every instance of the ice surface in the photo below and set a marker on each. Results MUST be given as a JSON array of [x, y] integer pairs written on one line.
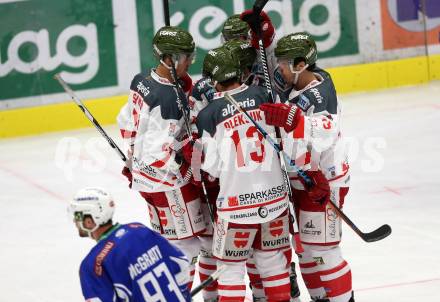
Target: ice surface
[[394, 138]]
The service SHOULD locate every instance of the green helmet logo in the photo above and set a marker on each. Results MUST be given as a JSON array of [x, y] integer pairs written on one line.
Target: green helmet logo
[[297, 45], [171, 40], [234, 28], [220, 65], [244, 51]]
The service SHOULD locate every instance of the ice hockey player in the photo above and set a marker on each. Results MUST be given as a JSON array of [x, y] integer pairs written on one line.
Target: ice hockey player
[[311, 120], [152, 122], [235, 28], [130, 262], [264, 25], [252, 203]]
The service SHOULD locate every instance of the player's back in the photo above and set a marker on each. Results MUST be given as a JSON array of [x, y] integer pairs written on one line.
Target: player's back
[[251, 184], [135, 264]]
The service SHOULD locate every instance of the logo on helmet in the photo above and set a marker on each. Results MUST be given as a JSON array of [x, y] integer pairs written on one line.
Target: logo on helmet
[[299, 37], [168, 33]]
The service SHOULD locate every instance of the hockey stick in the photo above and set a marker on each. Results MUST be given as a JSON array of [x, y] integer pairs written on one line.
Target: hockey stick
[[283, 159], [89, 116], [166, 12], [208, 281], [378, 234], [255, 18]]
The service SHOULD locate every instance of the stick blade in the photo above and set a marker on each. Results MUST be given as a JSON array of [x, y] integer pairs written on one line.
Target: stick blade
[[378, 234]]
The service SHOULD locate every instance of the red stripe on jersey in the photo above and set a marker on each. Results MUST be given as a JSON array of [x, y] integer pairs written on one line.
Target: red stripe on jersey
[[127, 133], [298, 132], [160, 163], [253, 206], [152, 178]]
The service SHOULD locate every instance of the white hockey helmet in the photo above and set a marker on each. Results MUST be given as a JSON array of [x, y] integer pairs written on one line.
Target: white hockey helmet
[[95, 202]]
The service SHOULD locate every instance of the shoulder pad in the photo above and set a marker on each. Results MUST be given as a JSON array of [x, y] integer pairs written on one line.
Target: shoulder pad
[[139, 84]]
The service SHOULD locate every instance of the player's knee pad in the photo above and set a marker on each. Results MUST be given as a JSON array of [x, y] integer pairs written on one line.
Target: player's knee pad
[[325, 273], [274, 273], [231, 285]]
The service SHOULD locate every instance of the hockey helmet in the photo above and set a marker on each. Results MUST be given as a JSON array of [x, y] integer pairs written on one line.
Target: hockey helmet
[[171, 40], [297, 45], [235, 28], [244, 51], [221, 65], [94, 202]]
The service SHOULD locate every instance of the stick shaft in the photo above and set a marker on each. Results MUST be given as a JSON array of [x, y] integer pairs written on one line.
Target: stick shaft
[[89, 116]]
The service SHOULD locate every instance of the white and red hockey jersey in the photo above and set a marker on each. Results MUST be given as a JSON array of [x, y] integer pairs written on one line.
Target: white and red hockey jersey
[[317, 141], [151, 122], [251, 183]]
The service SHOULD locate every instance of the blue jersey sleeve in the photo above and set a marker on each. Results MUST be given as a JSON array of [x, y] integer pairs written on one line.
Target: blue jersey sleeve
[[95, 288]]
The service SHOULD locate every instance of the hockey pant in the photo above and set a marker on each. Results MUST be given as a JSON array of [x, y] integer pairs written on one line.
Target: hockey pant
[[179, 216], [233, 244], [324, 270]]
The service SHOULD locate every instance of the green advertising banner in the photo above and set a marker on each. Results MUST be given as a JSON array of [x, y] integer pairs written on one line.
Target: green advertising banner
[[332, 23], [42, 37]]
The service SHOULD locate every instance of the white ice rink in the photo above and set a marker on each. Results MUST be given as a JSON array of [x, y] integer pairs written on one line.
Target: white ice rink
[[395, 169]]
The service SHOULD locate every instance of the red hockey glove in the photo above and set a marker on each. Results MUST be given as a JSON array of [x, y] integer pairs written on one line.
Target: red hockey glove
[[127, 173], [186, 83], [186, 173], [320, 192], [281, 115], [259, 25], [192, 151]]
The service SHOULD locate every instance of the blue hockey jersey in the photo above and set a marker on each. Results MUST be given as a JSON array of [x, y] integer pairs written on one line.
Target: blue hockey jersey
[[133, 263]]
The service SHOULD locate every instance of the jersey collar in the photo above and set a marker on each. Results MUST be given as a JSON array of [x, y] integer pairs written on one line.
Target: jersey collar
[[159, 79], [294, 93], [109, 231], [219, 94]]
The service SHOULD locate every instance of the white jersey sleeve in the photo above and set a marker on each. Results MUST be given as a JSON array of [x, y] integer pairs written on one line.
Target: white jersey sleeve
[[316, 143], [152, 122]]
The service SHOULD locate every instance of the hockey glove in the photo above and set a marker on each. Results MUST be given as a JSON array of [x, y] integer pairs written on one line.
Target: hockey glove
[[186, 83], [259, 25], [320, 191], [281, 115], [192, 152], [127, 173]]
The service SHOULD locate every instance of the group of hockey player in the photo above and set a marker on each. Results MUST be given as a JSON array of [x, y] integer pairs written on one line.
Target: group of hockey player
[[213, 184]]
